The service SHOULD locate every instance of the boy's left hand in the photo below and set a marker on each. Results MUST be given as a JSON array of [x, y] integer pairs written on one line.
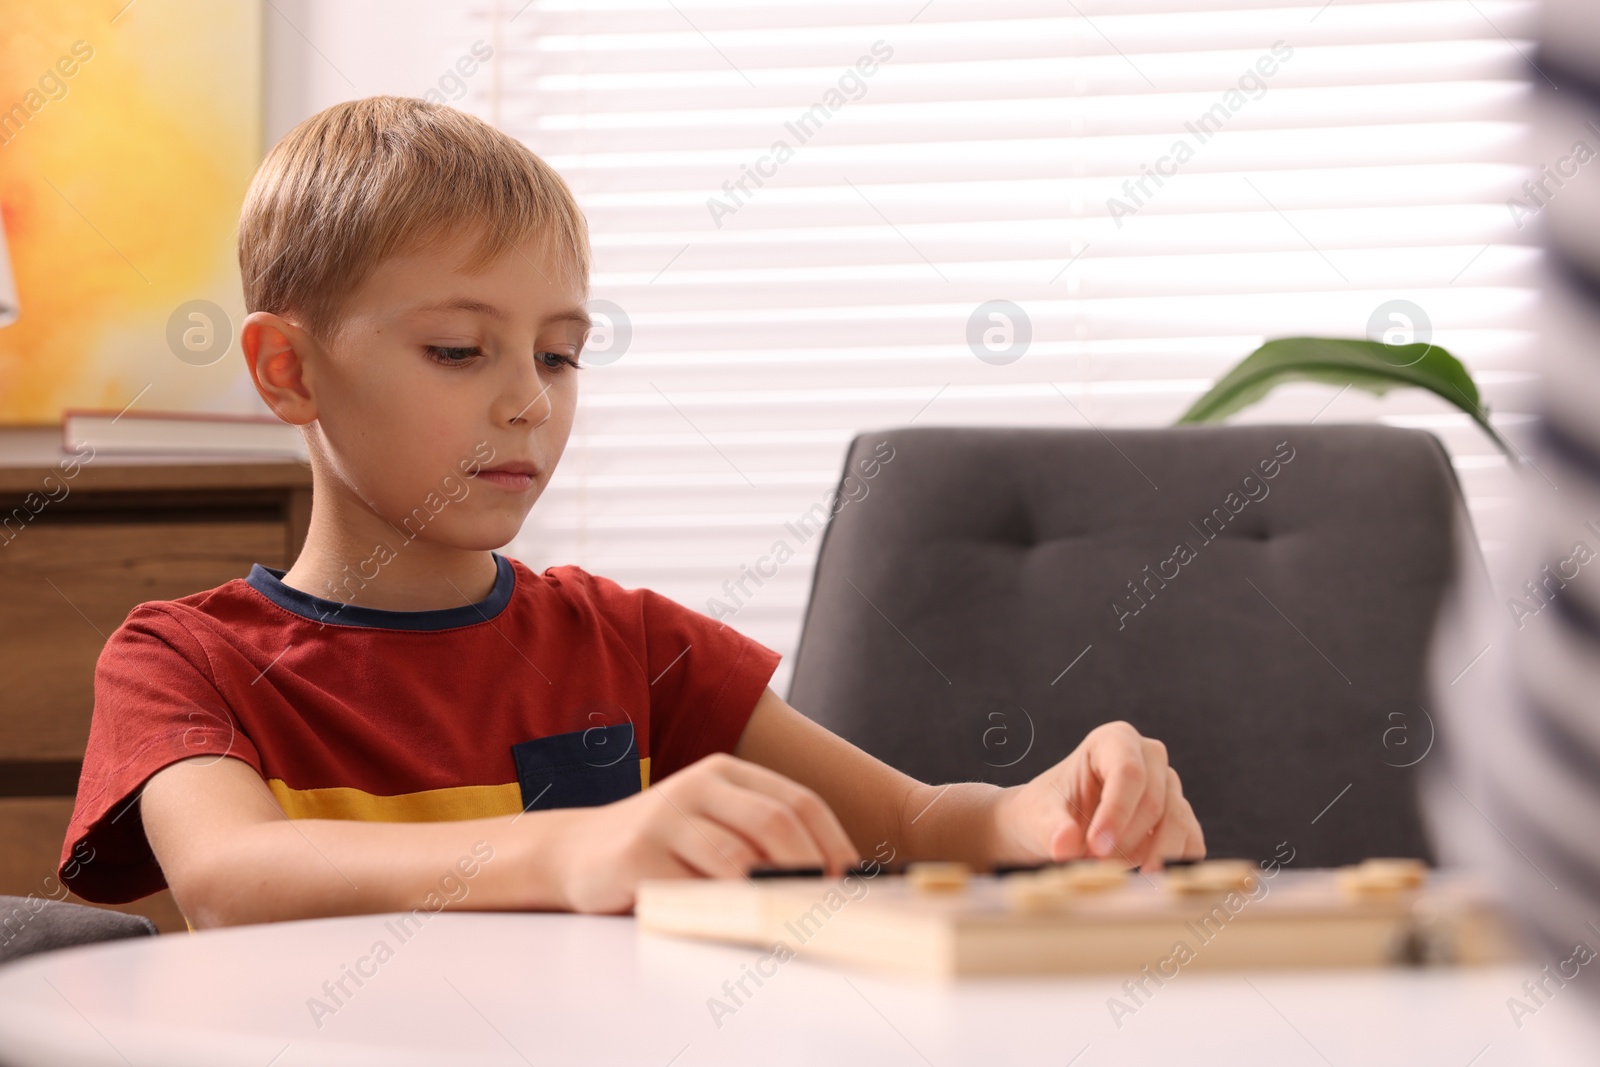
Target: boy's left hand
[[1114, 797]]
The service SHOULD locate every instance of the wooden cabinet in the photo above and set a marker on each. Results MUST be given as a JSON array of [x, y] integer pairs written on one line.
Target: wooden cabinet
[[76, 554]]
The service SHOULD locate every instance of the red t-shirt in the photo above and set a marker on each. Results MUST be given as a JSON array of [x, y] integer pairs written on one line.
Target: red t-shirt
[[560, 689]]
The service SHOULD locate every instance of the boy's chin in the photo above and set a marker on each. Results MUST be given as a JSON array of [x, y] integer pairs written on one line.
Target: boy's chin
[[488, 541], [477, 536]]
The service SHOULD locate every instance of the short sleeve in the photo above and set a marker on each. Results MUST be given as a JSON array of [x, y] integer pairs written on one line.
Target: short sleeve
[[154, 704], [705, 679], [704, 676]]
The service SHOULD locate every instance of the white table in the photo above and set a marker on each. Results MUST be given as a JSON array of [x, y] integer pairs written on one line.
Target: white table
[[567, 989]]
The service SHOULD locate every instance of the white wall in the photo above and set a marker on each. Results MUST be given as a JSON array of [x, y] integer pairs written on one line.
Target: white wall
[[319, 52]]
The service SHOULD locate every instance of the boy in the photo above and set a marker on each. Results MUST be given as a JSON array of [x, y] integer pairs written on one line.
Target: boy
[[403, 704]]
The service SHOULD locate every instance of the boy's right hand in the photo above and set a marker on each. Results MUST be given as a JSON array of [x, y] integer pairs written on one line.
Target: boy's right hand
[[716, 818]]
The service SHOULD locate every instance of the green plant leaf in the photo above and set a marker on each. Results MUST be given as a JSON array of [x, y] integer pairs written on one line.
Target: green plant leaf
[[1369, 365]]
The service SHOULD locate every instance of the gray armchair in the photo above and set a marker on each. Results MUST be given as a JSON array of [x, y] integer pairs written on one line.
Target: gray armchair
[[1260, 598], [34, 924]]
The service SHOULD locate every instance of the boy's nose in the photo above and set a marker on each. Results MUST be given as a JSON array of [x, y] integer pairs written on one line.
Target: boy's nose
[[525, 397], [536, 411]]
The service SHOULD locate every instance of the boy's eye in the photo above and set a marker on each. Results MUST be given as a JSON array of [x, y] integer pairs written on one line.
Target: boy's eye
[[452, 356], [556, 361]]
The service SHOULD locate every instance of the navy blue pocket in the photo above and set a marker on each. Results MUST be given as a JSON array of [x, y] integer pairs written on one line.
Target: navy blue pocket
[[580, 769]]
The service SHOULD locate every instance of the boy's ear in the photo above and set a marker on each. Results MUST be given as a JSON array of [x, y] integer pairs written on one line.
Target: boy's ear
[[275, 350]]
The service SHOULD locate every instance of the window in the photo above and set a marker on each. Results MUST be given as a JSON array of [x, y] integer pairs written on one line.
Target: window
[[800, 207]]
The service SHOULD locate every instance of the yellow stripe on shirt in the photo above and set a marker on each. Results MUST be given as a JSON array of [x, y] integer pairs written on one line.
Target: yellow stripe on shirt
[[429, 805]]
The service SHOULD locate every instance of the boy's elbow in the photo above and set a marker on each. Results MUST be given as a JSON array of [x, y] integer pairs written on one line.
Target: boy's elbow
[[218, 837], [228, 887], [208, 897]]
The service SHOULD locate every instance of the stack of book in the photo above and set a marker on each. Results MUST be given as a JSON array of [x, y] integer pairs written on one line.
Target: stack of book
[[179, 434]]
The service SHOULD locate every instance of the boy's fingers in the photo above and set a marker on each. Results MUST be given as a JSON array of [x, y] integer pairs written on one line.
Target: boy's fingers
[[1153, 804], [1117, 759], [821, 824], [1170, 837], [1194, 845], [711, 850], [1067, 842], [773, 830], [1194, 839]]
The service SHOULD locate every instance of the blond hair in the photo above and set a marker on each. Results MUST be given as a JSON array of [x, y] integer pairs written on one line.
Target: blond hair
[[369, 179]]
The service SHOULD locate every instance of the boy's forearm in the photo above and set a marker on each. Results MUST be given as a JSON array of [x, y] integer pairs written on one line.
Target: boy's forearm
[[959, 821], [315, 867]]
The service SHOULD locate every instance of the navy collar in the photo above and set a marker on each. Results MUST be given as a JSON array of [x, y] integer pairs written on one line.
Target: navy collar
[[268, 581]]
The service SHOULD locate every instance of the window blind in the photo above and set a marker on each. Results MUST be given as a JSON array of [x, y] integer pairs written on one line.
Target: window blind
[[813, 219]]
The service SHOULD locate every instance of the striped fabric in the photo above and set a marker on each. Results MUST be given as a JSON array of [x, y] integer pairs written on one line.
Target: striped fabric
[[1517, 669]]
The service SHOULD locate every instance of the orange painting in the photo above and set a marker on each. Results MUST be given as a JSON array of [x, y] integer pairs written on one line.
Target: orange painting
[[128, 134]]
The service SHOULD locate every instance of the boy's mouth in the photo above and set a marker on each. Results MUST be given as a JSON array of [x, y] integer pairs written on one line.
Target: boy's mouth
[[513, 476]]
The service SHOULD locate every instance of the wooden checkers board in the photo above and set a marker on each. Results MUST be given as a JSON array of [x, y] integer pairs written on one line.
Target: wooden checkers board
[[1058, 922]]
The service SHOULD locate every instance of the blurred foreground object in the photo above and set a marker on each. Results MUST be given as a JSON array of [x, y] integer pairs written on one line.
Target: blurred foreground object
[[1517, 670]]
